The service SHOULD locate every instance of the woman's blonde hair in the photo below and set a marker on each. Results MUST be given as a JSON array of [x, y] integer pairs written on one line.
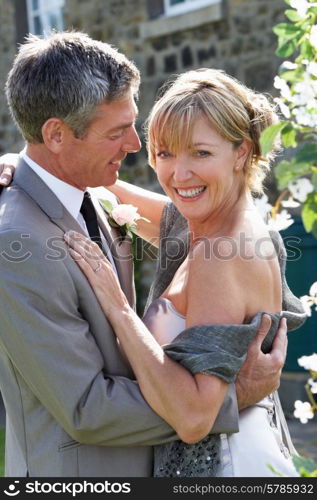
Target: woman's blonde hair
[[236, 111]]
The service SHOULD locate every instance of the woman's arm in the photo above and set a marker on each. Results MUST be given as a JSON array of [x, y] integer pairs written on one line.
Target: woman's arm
[[189, 403], [150, 205]]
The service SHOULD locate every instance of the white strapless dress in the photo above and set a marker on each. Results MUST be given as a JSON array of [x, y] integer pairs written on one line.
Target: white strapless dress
[[263, 440]]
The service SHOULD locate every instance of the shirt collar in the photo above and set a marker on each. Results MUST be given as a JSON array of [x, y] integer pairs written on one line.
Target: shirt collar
[[70, 196]]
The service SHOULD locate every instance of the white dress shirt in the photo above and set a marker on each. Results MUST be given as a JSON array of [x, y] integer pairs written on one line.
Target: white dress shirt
[[69, 196]]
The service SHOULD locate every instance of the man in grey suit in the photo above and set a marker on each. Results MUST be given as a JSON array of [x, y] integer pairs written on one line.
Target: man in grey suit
[[73, 407]]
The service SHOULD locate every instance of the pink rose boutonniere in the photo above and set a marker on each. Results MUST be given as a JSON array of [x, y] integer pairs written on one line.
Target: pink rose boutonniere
[[123, 217]]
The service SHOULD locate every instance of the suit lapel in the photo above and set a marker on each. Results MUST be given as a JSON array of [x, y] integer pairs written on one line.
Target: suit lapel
[[121, 250], [33, 185]]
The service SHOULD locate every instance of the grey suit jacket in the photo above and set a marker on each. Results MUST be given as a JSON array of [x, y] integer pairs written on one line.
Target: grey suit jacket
[[73, 407]]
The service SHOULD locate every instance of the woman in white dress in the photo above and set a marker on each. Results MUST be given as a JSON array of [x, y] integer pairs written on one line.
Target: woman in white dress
[[203, 142]]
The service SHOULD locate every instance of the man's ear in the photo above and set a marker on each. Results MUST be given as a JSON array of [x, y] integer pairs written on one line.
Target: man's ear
[[54, 132], [242, 153]]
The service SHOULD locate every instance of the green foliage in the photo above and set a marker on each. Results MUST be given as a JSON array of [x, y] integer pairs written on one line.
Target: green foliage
[[306, 467], [107, 205], [269, 135], [314, 180], [309, 214], [297, 81], [292, 15], [288, 37], [288, 171], [307, 154], [289, 136]]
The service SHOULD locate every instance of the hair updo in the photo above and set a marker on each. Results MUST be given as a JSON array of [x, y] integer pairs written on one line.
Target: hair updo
[[235, 110]]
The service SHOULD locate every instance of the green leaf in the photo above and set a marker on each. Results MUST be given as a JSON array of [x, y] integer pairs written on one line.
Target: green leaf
[[276, 472], [289, 136], [268, 137], [287, 31], [291, 75], [309, 215], [288, 2], [307, 50], [302, 462], [106, 205], [287, 171], [285, 49], [308, 153], [113, 223], [292, 15]]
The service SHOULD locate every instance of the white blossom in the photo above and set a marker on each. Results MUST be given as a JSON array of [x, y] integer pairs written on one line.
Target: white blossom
[[282, 86], [290, 203], [313, 290], [312, 66], [263, 206], [301, 6], [313, 385], [283, 107], [300, 188], [307, 304], [305, 92], [303, 411], [308, 362], [304, 117], [281, 221], [288, 65]]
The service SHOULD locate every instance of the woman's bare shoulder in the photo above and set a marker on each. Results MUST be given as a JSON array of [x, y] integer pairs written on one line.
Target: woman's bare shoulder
[[213, 290]]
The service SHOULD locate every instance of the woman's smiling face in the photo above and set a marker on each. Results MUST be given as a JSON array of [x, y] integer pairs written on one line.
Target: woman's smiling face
[[203, 177]]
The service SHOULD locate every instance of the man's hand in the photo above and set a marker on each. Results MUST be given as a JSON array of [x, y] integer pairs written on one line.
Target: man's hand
[[8, 163], [260, 373]]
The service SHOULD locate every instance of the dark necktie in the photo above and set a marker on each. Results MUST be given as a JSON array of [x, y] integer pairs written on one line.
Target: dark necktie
[[89, 214]]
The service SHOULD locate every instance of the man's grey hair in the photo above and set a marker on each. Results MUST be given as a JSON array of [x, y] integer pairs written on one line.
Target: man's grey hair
[[65, 75]]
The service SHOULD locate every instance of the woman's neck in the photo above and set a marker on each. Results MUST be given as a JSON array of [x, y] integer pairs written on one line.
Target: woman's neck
[[223, 221]]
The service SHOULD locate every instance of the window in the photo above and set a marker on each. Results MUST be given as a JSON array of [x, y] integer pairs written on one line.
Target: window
[[43, 16], [175, 7], [189, 14]]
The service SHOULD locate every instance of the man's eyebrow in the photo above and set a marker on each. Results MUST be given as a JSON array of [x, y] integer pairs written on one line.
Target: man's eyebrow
[[124, 125]]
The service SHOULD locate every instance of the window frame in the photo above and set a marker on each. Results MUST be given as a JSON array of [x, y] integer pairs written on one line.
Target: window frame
[[185, 6], [159, 25], [42, 12]]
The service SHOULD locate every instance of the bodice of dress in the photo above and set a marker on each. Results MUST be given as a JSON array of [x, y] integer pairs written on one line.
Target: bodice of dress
[[163, 321]]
